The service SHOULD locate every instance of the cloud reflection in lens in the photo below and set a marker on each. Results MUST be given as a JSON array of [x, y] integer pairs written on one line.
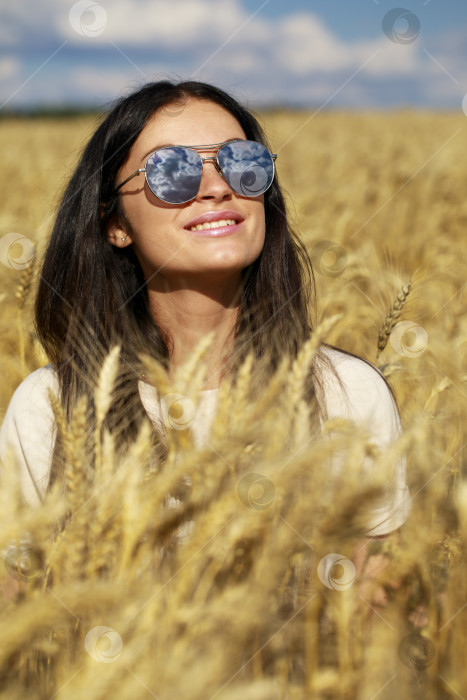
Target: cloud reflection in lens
[[247, 167], [174, 174]]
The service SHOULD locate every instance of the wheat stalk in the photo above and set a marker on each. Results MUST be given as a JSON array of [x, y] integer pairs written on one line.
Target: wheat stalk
[[392, 317], [24, 286], [105, 385], [21, 294], [69, 555], [189, 376], [103, 397]]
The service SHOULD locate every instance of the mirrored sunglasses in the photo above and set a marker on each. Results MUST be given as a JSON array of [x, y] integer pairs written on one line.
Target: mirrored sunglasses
[[173, 173]]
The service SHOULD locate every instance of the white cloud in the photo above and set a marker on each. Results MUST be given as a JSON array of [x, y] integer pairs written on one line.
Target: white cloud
[[304, 44], [10, 67], [296, 44], [294, 56], [389, 59], [173, 23], [29, 22]]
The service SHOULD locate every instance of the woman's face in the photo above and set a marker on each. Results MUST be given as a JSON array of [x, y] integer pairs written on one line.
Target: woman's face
[[166, 247]]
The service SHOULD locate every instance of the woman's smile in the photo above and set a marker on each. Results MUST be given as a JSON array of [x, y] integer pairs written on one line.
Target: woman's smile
[[216, 223]]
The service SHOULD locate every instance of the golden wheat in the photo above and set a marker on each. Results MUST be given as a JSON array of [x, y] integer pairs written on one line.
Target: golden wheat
[[392, 317], [159, 577]]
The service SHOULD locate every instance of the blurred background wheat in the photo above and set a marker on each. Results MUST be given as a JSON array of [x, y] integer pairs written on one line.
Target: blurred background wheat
[[215, 597]]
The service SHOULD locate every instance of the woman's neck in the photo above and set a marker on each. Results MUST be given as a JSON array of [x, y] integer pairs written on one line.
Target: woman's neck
[[187, 316]]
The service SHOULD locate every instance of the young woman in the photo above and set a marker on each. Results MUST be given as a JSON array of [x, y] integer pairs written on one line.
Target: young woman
[[172, 226]]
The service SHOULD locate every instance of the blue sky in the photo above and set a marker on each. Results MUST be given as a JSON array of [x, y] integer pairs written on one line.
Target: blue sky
[[327, 53]]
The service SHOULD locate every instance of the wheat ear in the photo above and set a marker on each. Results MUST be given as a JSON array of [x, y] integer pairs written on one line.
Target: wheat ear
[[193, 369], [392, 317], [156, 374], [297, 380], [105, 385], [77, 493], [61, 422], [21, 294], [302, 363], [103, 398], [240, 393]]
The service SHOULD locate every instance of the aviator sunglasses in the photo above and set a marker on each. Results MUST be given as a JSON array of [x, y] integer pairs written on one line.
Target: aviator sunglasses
[[173, 173]]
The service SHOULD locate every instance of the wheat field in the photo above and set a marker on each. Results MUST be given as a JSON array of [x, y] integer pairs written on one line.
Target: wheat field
[[122, 602]]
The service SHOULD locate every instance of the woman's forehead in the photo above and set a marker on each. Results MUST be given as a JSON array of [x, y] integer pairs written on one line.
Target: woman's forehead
[[192, 123]]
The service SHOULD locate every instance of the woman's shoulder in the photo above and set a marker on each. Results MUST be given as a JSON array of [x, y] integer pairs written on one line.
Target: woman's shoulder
[[27, 432], [35, 385], [350, 366], [354, 388]]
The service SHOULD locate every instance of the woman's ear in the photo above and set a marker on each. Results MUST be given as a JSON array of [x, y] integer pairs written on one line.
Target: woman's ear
[[117, 234]]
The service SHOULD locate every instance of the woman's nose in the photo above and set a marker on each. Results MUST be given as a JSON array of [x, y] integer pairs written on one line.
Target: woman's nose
[[213, 184]]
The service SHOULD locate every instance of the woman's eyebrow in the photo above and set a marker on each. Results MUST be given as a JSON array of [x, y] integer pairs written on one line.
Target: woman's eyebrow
[[170, 145]]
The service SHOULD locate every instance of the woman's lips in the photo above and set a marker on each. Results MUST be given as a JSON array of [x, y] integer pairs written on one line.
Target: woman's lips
[[223, 229], [215, 223]]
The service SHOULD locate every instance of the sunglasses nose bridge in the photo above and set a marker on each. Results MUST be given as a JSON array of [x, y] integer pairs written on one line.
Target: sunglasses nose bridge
[[215, 162]]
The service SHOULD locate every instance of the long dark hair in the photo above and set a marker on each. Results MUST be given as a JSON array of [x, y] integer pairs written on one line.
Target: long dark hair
[[92, 295]]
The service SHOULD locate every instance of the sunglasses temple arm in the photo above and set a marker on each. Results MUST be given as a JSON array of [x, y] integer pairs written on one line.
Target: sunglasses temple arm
[[137, 172]]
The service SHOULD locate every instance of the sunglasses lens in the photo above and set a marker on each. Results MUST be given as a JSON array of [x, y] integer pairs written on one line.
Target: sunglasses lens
[[247, 167], [174, 174]]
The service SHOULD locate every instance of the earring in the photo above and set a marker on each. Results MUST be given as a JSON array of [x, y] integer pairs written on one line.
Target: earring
[[123, 239]]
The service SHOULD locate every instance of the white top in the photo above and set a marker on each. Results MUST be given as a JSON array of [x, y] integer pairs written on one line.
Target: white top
[[28, 430]]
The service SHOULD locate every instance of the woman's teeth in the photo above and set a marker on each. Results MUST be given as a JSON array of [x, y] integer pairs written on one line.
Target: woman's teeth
[[213, 224]]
